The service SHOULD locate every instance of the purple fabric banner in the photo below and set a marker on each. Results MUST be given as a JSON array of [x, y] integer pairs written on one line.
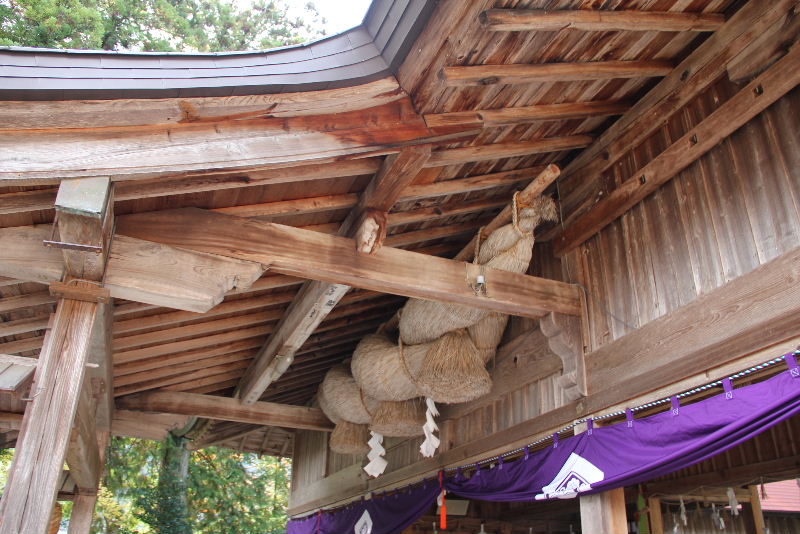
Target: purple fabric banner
[[610, 457]]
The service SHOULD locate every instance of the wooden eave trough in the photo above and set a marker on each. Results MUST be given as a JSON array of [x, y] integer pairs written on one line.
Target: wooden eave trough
[[212, 268]]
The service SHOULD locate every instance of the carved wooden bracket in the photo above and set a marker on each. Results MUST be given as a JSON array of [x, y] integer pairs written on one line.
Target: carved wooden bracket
[[565, 340]]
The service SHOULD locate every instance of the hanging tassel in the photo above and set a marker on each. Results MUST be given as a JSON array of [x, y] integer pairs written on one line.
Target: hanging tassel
[[684, 519], [431, 443], [377, 464], [442, 501], [733, 502], [675, 523], [763, 490]]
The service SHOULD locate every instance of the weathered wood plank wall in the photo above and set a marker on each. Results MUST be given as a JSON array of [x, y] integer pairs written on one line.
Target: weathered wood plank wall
[[733, 210]]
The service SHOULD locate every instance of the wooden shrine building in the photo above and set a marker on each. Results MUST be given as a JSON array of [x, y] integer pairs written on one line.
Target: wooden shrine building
[[191, 242]]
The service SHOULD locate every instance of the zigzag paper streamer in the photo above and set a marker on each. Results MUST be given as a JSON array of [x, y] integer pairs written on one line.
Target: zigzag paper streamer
[[377, 464], [431, 443]]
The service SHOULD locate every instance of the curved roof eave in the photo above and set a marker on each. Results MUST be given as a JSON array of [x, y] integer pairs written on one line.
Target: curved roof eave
[[362, 54]]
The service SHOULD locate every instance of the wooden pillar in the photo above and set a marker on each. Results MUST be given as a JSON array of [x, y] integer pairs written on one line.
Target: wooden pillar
[[754, 513], [60, 386], [80, 521], [656, 517], [604, 513], [46, 428]]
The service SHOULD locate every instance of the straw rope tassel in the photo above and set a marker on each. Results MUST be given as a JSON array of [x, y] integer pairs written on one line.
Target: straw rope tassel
[[377, 463], [431, 443]]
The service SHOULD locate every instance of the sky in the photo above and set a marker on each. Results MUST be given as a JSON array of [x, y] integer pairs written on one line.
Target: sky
[[340, 15]]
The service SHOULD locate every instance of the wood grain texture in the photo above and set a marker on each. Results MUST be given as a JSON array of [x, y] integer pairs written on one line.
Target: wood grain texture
[[762, 92], [44, 437], [552, 72], [596, 20], [136, 152], [226, 409], [693, 75], [330, 258], [139, 271]]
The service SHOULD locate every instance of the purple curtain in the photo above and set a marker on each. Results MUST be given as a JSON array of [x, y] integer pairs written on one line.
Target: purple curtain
[[597, 460]]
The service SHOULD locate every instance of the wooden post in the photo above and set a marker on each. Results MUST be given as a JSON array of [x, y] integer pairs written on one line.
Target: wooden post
[[604, 513], [757, 513], [656, 517], [46, 434], [83, 508], [46, 428]]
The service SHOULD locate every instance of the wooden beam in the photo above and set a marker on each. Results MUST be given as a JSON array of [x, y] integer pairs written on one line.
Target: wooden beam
[[491, 118], [704, 66], [518, 20], [553, 72], [318, 256], [136, 270], [153, 188], [42, 445], [47, 156], [40, 298], [604, 513], [316, 299], [751, 100], [470, 154], [226, 409]]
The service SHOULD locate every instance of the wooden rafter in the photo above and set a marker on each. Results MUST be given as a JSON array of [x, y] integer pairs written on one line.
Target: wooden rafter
[[490, 118], [691, 77], [553, 72], [751, 100], [227, 409], [516, 20]]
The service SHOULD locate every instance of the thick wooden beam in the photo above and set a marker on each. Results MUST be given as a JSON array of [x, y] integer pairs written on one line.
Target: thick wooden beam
[[604, 513], [751, 100], [323, 257], [316, 299], [690, 78], [227, 409], [517, 20], [139, 271], [490, 118], [552, 72], [42, 444], [47, 156]]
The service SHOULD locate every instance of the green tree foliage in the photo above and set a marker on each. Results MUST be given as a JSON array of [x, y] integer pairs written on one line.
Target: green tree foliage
[[225, 490], [154, 25]]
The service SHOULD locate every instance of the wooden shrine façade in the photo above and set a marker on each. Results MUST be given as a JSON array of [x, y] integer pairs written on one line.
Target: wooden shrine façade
[[190, 243]]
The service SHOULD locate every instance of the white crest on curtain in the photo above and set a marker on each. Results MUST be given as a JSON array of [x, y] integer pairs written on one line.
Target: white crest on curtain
[[576, 475]]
